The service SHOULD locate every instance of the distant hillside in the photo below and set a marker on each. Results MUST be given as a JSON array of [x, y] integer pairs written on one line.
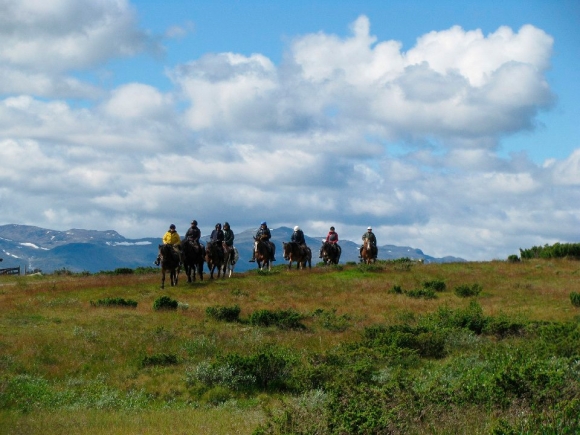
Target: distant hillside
[[80, 250]]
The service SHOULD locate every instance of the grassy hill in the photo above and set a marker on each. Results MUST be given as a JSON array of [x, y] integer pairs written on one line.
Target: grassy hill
[[395, 347]]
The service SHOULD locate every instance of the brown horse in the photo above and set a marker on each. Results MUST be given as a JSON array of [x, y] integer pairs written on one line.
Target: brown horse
[[300, 254], [369, 252], [330, 252], [193, 259], [214, 257], [170, 261], [262, 254]]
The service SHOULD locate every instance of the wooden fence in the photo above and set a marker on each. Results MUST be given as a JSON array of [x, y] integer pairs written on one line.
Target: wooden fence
[[10, 271]]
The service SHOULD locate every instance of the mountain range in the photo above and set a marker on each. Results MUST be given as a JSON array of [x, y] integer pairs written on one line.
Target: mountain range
[[78, 250]]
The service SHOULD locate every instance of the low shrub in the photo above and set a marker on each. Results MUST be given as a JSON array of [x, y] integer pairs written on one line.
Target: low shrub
[[466, 291], [421, 293], [436, 285], [118, 302], [575, 299], [165, 303], [329, 320], [226, 314], [513, 259], [146, 270], [285, 319], [268, 369], [123, 271], [397, 289], [158, 359]]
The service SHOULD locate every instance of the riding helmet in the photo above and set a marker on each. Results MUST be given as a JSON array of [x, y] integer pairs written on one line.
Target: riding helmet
[[226, 224], [172, 227], [218, 225], [331, 228], [296, 228], [369, 228], [264, 223], [194, 222]]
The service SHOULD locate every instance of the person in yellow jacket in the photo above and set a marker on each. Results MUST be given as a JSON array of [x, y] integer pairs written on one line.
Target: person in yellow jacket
[[171, 238]]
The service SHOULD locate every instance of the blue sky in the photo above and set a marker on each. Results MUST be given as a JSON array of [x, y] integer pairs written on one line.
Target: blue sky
[[448, 126]]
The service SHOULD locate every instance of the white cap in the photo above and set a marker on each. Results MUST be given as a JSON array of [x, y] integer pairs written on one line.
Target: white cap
[[296, 228], [369, 228]]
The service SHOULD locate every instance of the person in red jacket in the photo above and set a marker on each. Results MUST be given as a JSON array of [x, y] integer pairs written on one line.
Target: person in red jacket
[[331, 237]]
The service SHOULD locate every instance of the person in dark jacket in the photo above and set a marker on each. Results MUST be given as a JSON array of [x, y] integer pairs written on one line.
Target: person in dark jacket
[[193, 233], [217, 235], [228, 235], [264, 234], [369, 235], [298, 236]]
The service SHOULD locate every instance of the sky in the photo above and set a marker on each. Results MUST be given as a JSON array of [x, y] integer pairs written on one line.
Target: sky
[[448, 126]]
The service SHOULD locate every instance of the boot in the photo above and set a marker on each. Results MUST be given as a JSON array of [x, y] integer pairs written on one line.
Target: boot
[[156, 262], [253, 259]]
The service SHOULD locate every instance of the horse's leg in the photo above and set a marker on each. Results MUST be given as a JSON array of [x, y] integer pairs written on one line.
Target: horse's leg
[[162, 278]]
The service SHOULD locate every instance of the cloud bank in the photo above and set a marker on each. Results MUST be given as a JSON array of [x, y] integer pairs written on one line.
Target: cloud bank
[[345, 131]]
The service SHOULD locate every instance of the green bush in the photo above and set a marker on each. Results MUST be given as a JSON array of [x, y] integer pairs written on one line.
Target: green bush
[[575, 299], [119, 302], [427, 343], [123, 271], [227, 314], [329, 320], [268, 369], [466, 291], [397, 290], [285, 319], [422, 293], [158, 359], [436, 285], [513, 259], [165, 303]]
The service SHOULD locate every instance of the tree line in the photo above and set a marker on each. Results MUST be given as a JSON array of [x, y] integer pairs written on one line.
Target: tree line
[[557, 250]]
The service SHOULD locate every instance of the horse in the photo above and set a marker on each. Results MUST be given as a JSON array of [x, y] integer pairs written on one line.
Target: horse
[[214, 257], [369, 252], [330, 252], [170, 261], [193, 259], [295, 252], [232, 257], [263, 254]]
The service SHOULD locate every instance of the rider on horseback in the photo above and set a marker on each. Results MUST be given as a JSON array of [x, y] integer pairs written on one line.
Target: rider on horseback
[[331, 237], [217, 237], [298, 237], [193, 233], [171, 238], [264, 234], [228, 238], [372, 239]]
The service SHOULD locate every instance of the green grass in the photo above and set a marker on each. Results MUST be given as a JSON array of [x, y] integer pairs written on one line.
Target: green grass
[[363, 356]]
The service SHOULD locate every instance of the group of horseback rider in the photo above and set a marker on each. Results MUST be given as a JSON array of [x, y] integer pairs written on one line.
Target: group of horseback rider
[[225, 237]]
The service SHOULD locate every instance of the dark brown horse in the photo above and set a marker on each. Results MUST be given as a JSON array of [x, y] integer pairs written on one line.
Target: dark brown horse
[[263, 254], [214, 257], [369, 252], [170, 261], [193, 259], [330, 252], [300, 254]]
